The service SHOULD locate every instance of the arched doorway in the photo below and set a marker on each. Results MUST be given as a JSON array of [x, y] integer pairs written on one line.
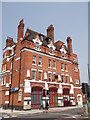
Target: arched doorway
[[66, 96], [79, 99], [36, 96], [53, 97]]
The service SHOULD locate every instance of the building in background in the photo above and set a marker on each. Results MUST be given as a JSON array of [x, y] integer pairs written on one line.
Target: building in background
[[39, 69]]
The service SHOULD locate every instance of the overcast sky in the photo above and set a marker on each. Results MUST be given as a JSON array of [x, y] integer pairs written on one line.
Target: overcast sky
[[67, 18]]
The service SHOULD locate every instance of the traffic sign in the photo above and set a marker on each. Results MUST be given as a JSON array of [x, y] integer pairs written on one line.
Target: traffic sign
[[13, 89]]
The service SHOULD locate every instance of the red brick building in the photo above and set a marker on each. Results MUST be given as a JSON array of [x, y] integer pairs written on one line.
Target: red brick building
[[39, 68]]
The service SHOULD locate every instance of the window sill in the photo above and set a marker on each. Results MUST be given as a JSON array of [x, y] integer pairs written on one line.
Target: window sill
[[49, 67], [40, 65], [62, 69], [37, 49], [77, 83], [63, 57], [66, 70], [34, 64], [51, 53], [39, 80], [54, 68]]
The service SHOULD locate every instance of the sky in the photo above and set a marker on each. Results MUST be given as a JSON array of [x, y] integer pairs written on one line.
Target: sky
[[68, 19]]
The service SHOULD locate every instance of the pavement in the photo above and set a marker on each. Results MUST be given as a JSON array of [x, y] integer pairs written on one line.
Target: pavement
[[61, 113], [33, 111]]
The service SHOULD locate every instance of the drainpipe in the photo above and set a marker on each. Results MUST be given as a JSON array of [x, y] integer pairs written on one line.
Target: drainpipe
[[19, 73], [11, 81]]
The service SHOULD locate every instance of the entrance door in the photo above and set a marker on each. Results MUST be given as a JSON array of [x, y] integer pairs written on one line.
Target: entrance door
[[53, 97], [79, 99], [36, 96], [66, 97]]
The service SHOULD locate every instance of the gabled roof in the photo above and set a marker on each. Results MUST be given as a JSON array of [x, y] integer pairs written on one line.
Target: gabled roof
[[30, 34]]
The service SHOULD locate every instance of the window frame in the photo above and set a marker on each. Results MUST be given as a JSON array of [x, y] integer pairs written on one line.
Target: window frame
[[62, 78], [20, 95], [49, 76], [51, 50], [63, 54], [39, 61], [76, 81], [54, 78], [37, 45], [66, 79], [54, 64], [49, 63], [39, 75], [33, 71], [65, 66], [61, 66], [75, 69], [5, 80], [34, 60]]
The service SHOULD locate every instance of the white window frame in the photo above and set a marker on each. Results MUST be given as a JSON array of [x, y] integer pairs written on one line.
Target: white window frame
[[66, 79], [32, 75], [74, 59], [63, 54], [37, 45], [51, 50], [39, 61], [76, 81], [63, 78], [61, 66], [49, 62], [66, 67], [40, 76], [54, 64], [41, 36], [5, 80], [50, 77], [75, 69], [20, 95], [34, 60]]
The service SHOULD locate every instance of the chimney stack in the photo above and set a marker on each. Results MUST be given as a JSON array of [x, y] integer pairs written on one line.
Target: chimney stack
[[20, 30], [69, 45], [50, 32]]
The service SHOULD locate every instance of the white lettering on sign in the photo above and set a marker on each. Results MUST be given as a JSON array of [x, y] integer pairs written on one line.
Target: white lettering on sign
[[27, 87]]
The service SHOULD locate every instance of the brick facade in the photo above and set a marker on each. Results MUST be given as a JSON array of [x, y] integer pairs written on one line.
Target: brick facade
[[36, 63]]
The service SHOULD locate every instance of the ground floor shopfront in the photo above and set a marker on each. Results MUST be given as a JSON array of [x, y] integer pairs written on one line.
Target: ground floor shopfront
[[57, 94], [32, 92]]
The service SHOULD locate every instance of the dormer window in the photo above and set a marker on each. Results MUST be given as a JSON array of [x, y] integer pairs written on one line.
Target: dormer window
[[51, 47], [41, 37], [37, 45], [74, 59], [63, 51], [37, 42], [63, 54], [51, 50]]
